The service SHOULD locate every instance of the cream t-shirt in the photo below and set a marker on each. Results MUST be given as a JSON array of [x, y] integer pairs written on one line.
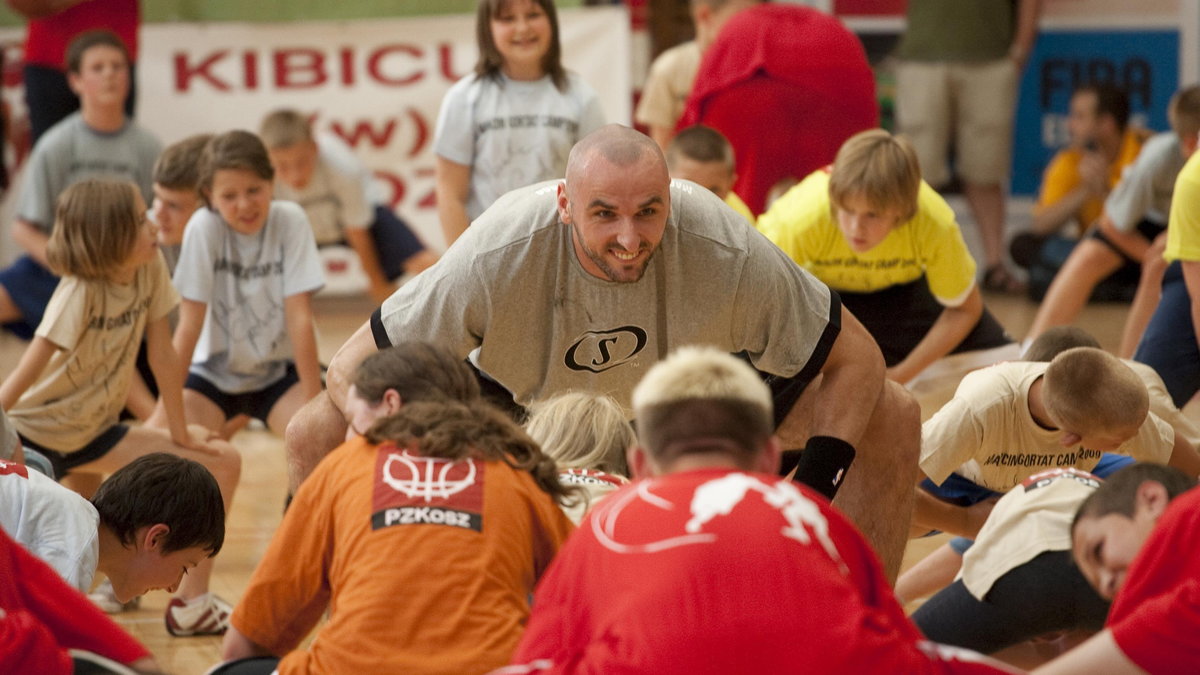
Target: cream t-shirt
[[987, 435]]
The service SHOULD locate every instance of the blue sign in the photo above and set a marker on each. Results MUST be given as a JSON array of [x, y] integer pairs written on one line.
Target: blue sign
[[1145, 63]]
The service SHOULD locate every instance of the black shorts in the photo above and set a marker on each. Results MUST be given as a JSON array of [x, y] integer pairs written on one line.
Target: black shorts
[[256, 404], [1147, 228], [900, 316], [96, 448]]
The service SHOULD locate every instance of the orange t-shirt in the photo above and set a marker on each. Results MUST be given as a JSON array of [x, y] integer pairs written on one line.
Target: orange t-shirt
[[426, 565], [1062, 176]]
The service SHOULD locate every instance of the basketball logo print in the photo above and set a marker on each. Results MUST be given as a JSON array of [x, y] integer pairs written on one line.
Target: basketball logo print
[[414, 490]]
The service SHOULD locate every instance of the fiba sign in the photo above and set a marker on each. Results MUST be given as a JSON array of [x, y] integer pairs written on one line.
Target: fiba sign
[[414, 490]]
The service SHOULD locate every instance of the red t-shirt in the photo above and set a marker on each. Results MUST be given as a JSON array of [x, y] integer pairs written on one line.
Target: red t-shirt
[[720, 571], [47, 38], [1155, 617], [41, 617], [787, 85]]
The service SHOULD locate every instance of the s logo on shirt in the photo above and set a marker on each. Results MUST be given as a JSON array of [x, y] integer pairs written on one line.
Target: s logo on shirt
[[601, 350]]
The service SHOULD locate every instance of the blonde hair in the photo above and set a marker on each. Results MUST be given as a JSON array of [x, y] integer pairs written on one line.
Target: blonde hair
[[1184, 112], [1088, 390], [581, 430], [96, 224], [881, 168], [285, 128], [700, 399]]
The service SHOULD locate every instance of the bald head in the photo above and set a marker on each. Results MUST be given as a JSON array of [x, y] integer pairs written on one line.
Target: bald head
[[617, 145]]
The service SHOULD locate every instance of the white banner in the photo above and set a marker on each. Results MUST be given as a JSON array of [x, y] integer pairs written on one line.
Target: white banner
[[378, 84]]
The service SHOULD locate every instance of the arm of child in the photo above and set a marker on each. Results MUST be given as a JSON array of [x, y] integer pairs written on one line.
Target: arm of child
[[931, 513], [236, 646], [187, 333], [32, 363], [1184, 456], [363, 243], [297, 308], [32, 239], [164, 363], [951, 326], [453, 186]]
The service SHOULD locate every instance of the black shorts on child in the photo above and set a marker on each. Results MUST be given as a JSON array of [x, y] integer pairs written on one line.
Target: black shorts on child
[[256, 404]]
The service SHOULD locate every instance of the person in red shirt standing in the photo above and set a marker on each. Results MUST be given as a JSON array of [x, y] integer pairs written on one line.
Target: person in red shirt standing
[[786, 84], [711, 563], [1135, 541]]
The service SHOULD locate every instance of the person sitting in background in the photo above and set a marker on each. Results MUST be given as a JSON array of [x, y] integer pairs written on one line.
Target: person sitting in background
[[586, 435], [702, 155]]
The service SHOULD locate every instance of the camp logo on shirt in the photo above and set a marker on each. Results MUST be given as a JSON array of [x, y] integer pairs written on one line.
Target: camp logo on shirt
[[600, 350], [415, 490], [13, 469]]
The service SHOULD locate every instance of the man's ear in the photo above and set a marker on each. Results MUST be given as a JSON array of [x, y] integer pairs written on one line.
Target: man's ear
[[1151, 498], [564, 204], [640, 465], [770, 457], [154, 537]]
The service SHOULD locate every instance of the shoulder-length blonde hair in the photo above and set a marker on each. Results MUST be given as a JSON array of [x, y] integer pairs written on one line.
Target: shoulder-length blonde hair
[[581, 430], [96, 224]]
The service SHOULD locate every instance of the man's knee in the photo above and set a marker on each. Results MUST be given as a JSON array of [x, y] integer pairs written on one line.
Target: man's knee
[[895, 427], [313, 431]]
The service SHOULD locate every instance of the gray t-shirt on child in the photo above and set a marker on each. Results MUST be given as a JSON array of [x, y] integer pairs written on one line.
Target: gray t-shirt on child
[[244, 279], [512, 294], [72, 151], [1146, 186], [338, 194]]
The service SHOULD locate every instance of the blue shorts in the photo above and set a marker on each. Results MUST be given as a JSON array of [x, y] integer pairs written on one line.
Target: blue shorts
[[256, 404], [63, 462], [30, 286], [1169, 344], [394, 242]]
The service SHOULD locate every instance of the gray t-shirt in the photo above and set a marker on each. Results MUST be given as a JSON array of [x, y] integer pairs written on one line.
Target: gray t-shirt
[[337, 196], [512, 294], [513, 133], [1145, 189], [244, 345], [72, 151]]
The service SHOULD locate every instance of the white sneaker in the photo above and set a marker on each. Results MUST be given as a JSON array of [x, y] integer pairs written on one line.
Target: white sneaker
[[104, 598], [203, 615]]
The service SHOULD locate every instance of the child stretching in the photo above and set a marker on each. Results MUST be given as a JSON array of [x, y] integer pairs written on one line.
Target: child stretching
[[65, 395], [246, 272], [871, 229], [702, 155], [513, 122]]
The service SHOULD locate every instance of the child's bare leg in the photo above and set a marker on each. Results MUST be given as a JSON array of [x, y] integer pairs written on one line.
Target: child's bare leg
[[1145, 301], [199, 409], [287, 406], [224, 463], [420, 261], [930, 575], [233, 425], [1087, 266], [8, 309]]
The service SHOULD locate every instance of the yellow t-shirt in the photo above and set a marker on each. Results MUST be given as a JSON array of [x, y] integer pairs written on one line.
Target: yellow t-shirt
[[735, 202], [1062, 176], [802, 223], [1183, 233]]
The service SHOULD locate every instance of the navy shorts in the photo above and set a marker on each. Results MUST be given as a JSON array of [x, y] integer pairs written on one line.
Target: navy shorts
[[98, 447], [1169, 344], [256, 404], [1148, 229], [394, 241], [30, 286]]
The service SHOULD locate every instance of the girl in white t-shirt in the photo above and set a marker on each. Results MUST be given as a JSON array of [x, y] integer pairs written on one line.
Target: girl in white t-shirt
[[247, 272], [513, 121], [65, 396]]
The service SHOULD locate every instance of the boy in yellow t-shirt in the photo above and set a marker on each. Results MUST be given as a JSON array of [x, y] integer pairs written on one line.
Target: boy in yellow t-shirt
[[871, 229], [702, 155]]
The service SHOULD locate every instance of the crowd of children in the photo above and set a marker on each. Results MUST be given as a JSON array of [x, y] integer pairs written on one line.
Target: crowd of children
[[167, 298]]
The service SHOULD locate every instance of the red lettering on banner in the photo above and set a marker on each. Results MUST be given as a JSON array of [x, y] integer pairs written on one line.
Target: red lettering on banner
[[395, 185], [363, 129], [347, 56], [446, 62], [184, 73], [398, 188], [292, 64], [250, 65], [375, 67], [422, 131], [429, 201]]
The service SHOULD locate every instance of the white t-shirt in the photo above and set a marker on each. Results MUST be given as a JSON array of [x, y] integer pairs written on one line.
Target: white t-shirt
[[1033, 518], [337, 196], [512, 295], [1147, 184], [98, 327], [51, 522], [513, 133], [244, 279], [987, 435]]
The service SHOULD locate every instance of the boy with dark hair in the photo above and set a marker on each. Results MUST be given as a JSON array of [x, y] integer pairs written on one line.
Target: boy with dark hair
[[98, 141], [147, 524], [322, 174], [1135, 541], [702, 155]]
